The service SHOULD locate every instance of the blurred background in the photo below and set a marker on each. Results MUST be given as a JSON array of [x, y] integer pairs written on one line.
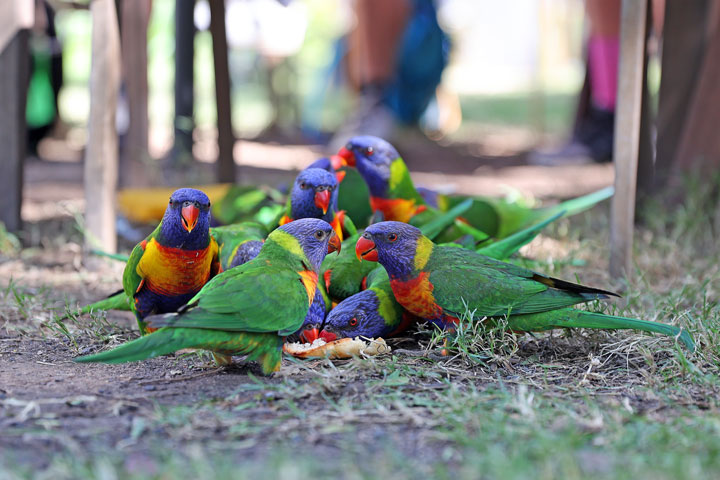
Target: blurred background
[[479, 96]]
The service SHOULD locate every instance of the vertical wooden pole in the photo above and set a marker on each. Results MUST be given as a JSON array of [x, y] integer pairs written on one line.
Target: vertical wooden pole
[[184, 95], [226, 140], [14, 71], [627, 134], [135, 18], [684, 34], [101, 155]]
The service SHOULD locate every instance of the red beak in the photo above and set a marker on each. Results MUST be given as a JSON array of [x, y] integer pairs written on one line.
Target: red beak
[[190, 216], [328, 336], [365, 249], [337, 162], [334, 245], [347, 155], [322, 200], [310, 335]]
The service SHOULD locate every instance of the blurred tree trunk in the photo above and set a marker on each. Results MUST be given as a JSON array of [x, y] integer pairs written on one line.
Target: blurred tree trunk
[[135, 18], [226, 140], [102, 149], [184, 95], [684, 35], [699, 147], [14, 73]]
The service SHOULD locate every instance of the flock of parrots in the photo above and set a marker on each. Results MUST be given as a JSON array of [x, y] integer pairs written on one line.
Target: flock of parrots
[[239, 290]]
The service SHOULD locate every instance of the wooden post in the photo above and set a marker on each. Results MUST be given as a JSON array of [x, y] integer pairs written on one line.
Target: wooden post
[[135, 18], [627, 134], [684, 34], [101, 155], [184, 95], [226, 140], [14, 71]]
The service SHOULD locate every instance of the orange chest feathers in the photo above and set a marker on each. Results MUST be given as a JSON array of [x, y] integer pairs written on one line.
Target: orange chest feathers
[[416, 296], [309, 280], [396, 209], [173, 271]]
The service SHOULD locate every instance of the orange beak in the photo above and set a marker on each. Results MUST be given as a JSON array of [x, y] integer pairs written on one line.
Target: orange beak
[[334, 245], [340, 175], [190, 216], [309, 335], [365, 249], [347, 155], [337, 162], [322, 200]]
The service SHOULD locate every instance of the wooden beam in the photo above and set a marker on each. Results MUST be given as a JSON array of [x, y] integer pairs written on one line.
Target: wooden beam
[[684, 34], [627, 133], [225, 163], [14, 71], [135, 18], [184, 84], [101, 155]]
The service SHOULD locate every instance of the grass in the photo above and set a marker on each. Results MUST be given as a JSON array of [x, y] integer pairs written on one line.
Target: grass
[[575, 404]]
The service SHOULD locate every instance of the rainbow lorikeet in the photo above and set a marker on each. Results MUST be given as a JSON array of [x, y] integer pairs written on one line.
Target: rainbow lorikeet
[[238, 243], [375, 312], [314, 195], [247, 309], [393, 194], [344, 276], [443, 283], [241, 243], [174, 262]]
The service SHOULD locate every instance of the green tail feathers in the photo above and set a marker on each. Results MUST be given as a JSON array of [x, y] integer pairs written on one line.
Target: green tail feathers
[[433, 228], [577, 205], [115, 256], [511, 244], [117, 301], [265, 348], [572, 318]]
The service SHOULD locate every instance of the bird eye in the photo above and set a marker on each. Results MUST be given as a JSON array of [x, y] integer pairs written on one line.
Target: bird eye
[[353, 322], [392, 237], [369, 151], [349, 146], [366, 236], [321, 188], [319, 234], [303, 185], [187, 203]]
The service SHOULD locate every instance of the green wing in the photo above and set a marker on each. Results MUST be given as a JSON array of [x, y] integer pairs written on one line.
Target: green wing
[[259, 296], [463, 279], [401, 185], [230, 237], [354, 197], [131, 278]]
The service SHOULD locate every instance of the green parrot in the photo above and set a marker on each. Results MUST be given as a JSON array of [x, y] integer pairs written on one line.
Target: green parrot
[[374, 312], [441, 284], [393, 194], [344, 276], [247, 309]]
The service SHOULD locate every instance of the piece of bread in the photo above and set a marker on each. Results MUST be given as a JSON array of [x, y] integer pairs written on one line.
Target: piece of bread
[[342, 348]]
